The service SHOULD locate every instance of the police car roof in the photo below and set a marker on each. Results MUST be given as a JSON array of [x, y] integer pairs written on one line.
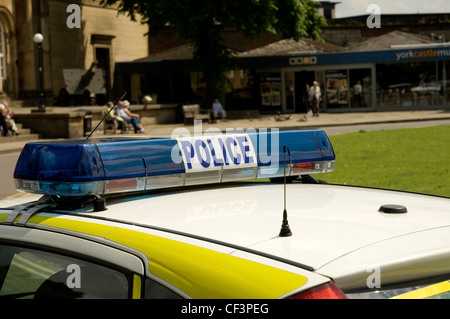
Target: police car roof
[[323, 218], [337, 231], [330, 223]]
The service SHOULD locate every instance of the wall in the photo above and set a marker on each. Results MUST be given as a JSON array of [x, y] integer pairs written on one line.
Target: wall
[[76, 47], [69, 123]]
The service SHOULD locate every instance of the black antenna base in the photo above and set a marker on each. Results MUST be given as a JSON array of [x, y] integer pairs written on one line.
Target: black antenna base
[[99, 204], [285, 230]]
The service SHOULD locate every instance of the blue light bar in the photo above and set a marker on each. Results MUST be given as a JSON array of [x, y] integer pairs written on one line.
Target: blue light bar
[[115, 165]]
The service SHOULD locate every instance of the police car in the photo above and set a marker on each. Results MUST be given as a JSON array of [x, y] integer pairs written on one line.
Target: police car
[[220, 216]]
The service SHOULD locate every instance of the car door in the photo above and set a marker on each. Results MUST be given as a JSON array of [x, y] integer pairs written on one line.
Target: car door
[[38, 264]]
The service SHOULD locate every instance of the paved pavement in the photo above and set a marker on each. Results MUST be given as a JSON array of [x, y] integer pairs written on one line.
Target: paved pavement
[[296, 121]]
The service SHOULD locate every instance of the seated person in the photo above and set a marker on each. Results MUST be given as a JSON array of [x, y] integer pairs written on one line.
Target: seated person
[[123, 112], [111, 116], [3, 122], [217, 109]]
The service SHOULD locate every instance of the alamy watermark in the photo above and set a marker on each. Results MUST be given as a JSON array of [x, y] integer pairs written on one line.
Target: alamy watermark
[[374, 19], [74, 279], [74, 19], [374, 279]]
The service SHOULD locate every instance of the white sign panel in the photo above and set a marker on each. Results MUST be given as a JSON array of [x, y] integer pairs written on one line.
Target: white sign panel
[[217, 152]]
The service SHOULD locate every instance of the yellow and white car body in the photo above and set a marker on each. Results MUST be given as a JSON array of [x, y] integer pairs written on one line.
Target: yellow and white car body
[[192, 228]]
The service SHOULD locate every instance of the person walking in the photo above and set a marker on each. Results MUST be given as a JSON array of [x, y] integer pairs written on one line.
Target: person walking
[[306, 100], [315, 96], [357, 92]]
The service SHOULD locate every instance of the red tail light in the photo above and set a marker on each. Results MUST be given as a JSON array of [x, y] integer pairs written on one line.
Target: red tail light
[[307, 165], [326, 291], [304, 168], [125, 184]]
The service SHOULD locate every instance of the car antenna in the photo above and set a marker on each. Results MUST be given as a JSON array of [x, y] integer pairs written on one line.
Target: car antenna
[[285, 230], [104, 117]]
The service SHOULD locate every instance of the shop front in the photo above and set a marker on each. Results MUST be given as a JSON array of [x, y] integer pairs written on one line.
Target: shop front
[[412, 84], [397, 78], [343, 87]]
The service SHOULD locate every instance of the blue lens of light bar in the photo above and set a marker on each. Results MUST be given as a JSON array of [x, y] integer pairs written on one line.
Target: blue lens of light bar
[[111, 165], [301, 147], [60, 161], [137, 158]]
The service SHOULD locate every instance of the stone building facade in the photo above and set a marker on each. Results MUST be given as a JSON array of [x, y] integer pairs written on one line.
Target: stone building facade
[[76, 33]]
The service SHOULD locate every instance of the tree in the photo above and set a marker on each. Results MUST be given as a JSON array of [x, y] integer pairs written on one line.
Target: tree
[[202, 23]]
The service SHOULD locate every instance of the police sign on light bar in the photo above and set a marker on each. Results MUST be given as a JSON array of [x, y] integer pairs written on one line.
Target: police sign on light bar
[[113, 165], [217, 151], [218, 158]]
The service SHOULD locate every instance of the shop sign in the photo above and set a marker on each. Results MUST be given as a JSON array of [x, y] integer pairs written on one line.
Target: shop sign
[[305, 60], [421, 54]]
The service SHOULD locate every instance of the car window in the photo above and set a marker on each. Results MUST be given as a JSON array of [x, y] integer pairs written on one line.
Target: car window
[[154, 290], [31, 273]]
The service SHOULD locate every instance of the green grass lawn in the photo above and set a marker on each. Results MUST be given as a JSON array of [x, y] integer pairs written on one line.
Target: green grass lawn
[[415, 160]]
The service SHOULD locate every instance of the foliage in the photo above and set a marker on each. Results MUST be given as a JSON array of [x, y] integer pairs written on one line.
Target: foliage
[[202, 23]]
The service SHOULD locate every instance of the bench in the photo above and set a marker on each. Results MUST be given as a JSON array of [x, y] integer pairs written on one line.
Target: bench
[[192, 112], [109, 123]]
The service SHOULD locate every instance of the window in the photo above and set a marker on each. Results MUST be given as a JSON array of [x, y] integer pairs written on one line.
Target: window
[[337, 88], [29, 273], [348, 88], [154, 290]]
